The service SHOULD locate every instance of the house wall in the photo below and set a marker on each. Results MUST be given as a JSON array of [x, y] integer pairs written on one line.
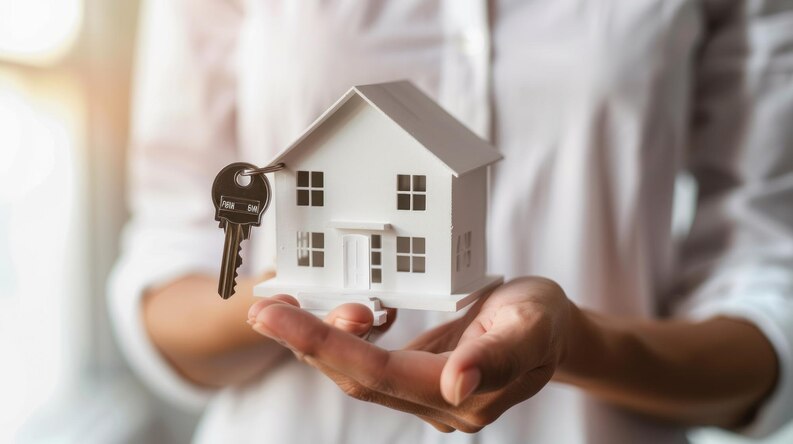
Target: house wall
[[469, 204], [360, 152]]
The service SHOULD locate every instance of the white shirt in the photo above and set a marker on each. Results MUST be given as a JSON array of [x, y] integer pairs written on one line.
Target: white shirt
[[597, 107]]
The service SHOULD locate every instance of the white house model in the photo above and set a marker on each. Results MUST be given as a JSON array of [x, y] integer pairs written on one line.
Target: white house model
[[383, 201]]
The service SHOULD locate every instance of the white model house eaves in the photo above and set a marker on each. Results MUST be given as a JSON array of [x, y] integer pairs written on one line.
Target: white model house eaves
[[450, 141]]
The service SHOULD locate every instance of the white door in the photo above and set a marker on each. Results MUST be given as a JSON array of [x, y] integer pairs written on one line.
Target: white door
[[356, 261]]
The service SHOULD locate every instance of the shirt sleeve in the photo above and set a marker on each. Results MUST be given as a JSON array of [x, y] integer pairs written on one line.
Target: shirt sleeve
[[183, 133], [738, 258]]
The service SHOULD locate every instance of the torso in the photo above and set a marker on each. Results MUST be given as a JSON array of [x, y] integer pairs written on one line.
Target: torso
[[588, 101]]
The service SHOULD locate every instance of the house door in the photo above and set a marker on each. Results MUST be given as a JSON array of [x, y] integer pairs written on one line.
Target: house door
[[356, 261]]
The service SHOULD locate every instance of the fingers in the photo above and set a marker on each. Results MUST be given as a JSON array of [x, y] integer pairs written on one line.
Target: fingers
[[352, 318], [485, 361], [264, 302], [407, 374], [438, 418]]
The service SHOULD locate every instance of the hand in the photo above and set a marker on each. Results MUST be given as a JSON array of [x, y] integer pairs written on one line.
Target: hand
[[461, 375]]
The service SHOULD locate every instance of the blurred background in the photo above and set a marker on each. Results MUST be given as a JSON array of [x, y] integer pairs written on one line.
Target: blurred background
[[65, 78], [65, 81]]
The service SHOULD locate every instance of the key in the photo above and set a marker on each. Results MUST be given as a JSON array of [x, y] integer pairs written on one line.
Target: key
[[238, 207]]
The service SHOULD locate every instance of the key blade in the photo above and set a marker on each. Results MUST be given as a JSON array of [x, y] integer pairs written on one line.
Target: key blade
[[231, 260]]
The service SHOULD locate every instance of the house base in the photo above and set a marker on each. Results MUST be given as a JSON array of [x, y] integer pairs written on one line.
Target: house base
[[321, 300]]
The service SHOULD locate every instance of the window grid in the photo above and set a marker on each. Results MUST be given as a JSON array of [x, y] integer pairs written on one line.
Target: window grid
[[411, 254], [463, 250], [310, 188], [376, 262], [310, 249], [411, 192]]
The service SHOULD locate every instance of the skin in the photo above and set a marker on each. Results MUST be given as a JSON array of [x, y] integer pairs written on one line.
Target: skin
[[207, 339], [464, 374], [204, 337]]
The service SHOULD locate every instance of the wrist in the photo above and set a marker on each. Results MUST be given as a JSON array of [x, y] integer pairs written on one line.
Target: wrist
[[585, 347]]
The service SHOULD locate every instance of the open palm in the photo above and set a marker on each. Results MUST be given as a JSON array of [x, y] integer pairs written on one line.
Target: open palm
[[461, 375]]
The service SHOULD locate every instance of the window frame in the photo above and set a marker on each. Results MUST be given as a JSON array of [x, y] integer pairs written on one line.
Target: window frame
[[306, 247], [415, 255], [463, 250], [411, 192], [311, 192], [376, 267]]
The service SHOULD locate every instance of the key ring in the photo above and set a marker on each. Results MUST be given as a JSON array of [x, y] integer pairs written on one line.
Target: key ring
[[263, 170]]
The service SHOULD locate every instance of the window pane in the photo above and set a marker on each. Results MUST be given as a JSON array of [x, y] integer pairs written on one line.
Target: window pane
[[403, 263], [302, 239], [418, 245], [302, 258], [376, 241], [419, 202], [317, 179], [317, 259], [302, 198], [418, 264], [376, 258], [317, 198], [377, 276], [468, 258], [467, 239], [302, 178], [403, 201], [403, 244], [459, 244], [403, 182], [419, 183], [317, 240]]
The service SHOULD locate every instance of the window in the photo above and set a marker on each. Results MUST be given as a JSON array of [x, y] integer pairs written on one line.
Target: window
[[310, 249], [310, 188], [411, 254], [39, 32], [464, 250], [411, 192], [377, 259]]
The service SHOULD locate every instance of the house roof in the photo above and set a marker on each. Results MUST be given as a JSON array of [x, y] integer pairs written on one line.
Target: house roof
[[450, 141]]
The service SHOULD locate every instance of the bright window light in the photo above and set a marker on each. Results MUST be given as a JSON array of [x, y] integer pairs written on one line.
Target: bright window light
[[38, 31], [38, 204]]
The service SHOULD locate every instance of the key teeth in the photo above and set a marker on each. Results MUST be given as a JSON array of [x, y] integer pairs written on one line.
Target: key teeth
[[236, 273], [227, 287]]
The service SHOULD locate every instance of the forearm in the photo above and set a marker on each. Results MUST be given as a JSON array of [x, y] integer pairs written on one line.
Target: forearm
[[204, 337], [715, 372]]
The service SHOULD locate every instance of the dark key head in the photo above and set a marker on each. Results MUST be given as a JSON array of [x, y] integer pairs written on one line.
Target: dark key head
[[237, 203]]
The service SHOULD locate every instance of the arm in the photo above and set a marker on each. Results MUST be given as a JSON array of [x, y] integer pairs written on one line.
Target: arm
[[206, 339], [177, 333], [715, 372]]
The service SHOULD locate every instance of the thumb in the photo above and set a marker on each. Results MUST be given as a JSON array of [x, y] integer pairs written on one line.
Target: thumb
[[490, 361]]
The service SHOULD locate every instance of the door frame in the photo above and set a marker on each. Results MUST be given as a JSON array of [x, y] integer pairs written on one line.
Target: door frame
[[362, 253]]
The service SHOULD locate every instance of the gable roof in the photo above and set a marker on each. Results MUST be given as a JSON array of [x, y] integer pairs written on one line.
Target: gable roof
[[450, 141]]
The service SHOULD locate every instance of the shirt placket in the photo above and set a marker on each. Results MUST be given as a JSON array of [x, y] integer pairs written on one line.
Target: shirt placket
[[465, 86]]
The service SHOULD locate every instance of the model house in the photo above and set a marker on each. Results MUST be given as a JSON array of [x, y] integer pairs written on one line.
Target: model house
[[383, 200]]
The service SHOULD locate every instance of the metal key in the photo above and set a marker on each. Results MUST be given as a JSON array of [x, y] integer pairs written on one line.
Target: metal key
[[237, 207]]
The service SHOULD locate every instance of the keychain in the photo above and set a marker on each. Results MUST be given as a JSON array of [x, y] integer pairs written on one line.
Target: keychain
[[238, 207]]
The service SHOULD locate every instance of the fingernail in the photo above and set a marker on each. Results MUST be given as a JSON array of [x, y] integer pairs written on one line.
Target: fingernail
[[253, 311], [260, 328], [351, 326], [466, 384]]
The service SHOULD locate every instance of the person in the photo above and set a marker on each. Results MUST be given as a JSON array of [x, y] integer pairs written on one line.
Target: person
[[613, 326]]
